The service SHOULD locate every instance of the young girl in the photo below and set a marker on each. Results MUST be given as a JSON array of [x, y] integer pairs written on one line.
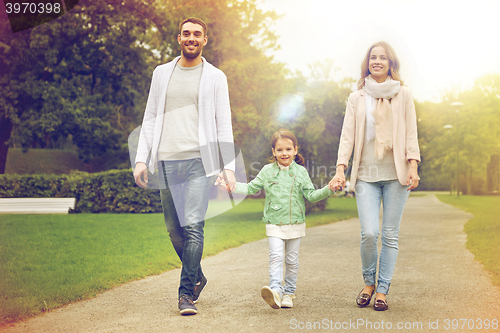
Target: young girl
[[286, 183]]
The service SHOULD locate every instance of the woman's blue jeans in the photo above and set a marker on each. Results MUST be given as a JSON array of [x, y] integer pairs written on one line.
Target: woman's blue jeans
[[393, 196], [185, 201]]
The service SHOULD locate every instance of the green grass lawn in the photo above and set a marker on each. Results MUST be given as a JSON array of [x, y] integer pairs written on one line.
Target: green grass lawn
[[47, 261], [483, 231]]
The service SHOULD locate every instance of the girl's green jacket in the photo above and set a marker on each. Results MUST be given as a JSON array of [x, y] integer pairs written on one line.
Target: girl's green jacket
[[285, 192]]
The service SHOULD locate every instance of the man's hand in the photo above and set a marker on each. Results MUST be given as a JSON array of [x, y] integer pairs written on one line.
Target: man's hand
[[226, 177], [141, 170]]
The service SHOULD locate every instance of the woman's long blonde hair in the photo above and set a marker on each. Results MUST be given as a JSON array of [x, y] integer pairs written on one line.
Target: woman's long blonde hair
[[394, 64]]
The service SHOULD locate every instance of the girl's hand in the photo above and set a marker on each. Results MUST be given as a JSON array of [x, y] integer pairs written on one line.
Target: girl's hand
[[337, 182], [223, 185], [226, 180]]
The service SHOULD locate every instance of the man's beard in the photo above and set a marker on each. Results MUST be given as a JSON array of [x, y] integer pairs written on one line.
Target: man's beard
[[191, 55]]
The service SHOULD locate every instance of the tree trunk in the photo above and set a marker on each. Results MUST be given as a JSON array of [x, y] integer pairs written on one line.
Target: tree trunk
[[5, 132], [470, 179]]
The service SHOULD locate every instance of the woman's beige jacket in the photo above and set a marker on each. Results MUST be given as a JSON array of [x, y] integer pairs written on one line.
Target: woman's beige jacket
[[405, 141]]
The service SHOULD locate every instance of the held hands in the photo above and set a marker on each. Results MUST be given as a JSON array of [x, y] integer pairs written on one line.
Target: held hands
[[337, 182], [226, 180], [141, 170], [223, 185]]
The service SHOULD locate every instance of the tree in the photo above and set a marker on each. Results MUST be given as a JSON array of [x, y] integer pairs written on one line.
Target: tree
[[237, 29], [478, 137], [321, 125], [78, 76], [255, 84]]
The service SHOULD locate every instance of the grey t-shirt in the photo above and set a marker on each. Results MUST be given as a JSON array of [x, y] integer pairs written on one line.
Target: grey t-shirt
[[179, 139]]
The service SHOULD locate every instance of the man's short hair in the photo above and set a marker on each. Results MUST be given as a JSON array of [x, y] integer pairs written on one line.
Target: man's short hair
[[195, 21]]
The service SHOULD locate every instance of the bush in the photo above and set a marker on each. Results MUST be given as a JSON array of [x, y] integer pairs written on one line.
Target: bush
[[478, 186], [112, 191], [318, 206]]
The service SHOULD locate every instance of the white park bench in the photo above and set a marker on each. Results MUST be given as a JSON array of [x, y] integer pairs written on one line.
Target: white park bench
[[36, 205]]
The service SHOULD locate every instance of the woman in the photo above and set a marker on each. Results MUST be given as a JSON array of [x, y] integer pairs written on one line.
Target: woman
[[380, 124]]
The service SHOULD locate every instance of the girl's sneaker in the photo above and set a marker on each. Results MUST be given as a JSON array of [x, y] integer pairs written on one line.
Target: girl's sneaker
[[271, 297], [287, 302]]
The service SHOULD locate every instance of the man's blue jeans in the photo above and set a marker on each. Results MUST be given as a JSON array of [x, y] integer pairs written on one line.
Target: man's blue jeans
[[393, 195], [185, 201]]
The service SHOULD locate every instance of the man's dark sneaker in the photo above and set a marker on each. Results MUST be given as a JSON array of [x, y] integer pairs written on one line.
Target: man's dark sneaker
[[186, 305], [198, 289]]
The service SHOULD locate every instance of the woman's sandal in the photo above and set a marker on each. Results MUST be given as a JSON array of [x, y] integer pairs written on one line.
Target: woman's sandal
[[364, 299], [380, 305]]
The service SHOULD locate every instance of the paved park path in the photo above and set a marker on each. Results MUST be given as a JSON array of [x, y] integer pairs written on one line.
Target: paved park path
[[436, 281]]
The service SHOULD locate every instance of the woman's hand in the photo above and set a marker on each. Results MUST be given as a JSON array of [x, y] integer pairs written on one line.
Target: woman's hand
[[413, 178], [338, 181]]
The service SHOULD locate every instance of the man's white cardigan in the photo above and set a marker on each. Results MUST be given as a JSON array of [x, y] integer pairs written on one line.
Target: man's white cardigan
[[215, 129]]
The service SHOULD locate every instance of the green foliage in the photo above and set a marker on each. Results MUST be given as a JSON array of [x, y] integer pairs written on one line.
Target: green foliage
[[78, 76], [47, 261], [477, 137], [111, 191], [319, 129], [483, 230], [237, 29], [318, 206], [255, 84], [39, 161]]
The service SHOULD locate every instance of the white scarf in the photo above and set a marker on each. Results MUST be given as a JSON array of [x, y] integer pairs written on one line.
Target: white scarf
[[379, 114]]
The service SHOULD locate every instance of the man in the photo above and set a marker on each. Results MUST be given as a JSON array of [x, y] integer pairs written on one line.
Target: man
[[186, 121]]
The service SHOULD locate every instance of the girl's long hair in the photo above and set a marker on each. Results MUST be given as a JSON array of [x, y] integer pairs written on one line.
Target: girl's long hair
[[394, 64], [286, 134]]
